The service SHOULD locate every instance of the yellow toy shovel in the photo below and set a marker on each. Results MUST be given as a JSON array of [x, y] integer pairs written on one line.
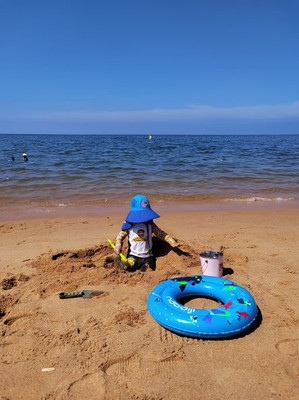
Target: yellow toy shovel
[[123, 258]]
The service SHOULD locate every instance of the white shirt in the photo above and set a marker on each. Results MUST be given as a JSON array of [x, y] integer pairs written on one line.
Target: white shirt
[[140, 238]]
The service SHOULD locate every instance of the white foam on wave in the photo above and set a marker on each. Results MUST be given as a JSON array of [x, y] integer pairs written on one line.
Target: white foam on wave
[[260, 199]]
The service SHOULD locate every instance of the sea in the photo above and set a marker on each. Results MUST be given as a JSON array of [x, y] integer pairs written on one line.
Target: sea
[[82, 170]]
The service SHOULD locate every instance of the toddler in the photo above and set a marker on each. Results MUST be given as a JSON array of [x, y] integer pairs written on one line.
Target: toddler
[[139, 227]]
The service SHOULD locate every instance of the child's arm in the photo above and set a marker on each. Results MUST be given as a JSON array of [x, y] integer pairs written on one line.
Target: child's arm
[[164, 236], [119, 241]]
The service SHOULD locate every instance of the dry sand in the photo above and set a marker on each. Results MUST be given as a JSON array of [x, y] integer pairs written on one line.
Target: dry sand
[[109, 347]]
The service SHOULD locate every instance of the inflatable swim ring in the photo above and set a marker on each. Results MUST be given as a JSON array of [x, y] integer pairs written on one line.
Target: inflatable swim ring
[[237, 312]]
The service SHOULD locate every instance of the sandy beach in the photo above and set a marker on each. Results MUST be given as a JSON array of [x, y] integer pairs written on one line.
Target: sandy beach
[[109, 347]]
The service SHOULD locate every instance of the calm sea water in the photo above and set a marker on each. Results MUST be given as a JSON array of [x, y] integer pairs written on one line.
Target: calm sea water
[[79, 169]]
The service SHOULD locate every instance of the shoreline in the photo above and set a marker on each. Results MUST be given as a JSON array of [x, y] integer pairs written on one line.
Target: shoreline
[[32, 211]]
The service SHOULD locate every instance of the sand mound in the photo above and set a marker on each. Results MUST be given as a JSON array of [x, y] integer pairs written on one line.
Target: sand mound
[[68, 270]]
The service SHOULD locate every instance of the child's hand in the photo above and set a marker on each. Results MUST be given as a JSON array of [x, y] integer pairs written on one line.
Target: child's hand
[[174, 243], [117, 250]]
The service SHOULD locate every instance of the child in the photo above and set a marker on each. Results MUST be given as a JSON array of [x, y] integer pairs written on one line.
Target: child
[[139, 227]]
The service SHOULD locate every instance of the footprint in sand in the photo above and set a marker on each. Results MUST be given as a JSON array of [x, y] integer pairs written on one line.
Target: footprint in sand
[[142, 368], [91, 386], [289, 347], [292, 369], [166, 336], [12, 320]]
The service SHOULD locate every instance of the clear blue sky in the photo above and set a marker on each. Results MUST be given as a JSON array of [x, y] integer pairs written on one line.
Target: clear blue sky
[[159, 66]]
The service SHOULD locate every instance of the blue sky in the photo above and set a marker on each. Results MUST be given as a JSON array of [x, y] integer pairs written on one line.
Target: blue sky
[[91, 66]]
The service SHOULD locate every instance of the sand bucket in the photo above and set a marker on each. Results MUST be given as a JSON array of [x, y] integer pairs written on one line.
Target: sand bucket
[[212, 263]]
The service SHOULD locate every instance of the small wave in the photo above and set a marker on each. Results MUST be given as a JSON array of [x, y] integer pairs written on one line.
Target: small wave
[[260, 199], [50, 204]]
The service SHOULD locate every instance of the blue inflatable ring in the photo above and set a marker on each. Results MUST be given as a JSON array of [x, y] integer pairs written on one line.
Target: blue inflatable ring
[[237, 312]]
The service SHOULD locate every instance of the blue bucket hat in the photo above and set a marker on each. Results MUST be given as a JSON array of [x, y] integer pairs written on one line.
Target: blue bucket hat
[[141, 210]]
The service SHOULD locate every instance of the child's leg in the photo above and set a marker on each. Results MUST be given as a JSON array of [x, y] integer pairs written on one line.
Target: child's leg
[[151, 261], [141, 263]]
